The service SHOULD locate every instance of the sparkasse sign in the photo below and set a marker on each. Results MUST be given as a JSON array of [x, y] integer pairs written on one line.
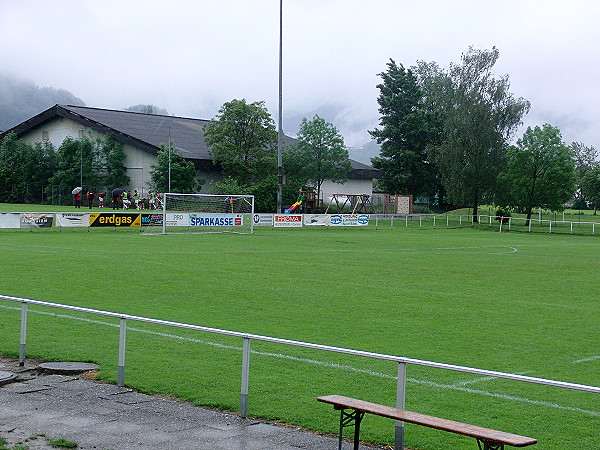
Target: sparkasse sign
[[216, 220]]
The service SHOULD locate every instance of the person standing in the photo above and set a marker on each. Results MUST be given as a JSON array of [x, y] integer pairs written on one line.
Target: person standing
[[78, 200], [136, 200], [115, 199], [125, 197], [101, 197], [90, 196]]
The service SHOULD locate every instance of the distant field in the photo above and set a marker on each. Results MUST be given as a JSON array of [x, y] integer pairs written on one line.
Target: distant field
[[512, 302]]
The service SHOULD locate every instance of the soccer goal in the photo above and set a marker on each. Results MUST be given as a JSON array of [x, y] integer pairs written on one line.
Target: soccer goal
[[203, 213]]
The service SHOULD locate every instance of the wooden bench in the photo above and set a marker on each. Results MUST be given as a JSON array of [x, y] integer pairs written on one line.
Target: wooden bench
[[487, 439]]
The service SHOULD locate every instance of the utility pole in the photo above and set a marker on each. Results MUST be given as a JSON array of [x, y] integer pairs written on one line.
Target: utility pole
[[280, 131]]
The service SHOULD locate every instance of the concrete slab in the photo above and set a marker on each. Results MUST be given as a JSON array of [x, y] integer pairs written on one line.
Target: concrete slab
[[69, 367], [103, 416], [6, 377]]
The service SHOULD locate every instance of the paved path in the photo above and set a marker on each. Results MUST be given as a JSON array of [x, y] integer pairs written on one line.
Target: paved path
[[105, 416]]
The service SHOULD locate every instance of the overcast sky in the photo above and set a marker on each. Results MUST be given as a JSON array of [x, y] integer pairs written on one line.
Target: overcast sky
[[191, 56]]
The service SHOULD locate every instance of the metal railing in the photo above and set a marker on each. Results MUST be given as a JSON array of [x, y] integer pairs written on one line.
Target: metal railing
[[247, 338], [508, 223]]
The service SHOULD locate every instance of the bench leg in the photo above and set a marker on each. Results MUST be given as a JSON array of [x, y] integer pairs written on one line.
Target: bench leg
[[348, 419], [486, 445]]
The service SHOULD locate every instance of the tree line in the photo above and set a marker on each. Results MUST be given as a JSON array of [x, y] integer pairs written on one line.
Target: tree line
[[242, 140], [447, 133]]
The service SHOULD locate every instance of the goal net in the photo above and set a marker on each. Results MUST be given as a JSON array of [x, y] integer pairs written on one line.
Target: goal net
[[203, 213]]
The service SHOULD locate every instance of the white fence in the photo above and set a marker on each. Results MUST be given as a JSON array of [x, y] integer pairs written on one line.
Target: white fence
[[247, 338], [425, 221]]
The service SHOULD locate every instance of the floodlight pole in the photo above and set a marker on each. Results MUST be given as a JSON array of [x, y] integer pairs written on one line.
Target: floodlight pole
[[170, 147], [280, 130]]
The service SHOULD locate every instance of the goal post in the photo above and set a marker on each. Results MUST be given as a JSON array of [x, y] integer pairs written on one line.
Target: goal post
[[203, 213]]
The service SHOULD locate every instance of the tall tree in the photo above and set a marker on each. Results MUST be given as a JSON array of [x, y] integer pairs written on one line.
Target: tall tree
[[540, 171], [586, 159], [173, 173], [591, 188], [319, 154], [22, 166], [407, 129], [113, 163], [242, 141], [77, 164], [479, 117]]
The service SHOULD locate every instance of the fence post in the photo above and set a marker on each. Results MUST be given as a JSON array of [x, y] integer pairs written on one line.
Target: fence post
[[400, 404], [23, 340], [121, 369], [245, 377]]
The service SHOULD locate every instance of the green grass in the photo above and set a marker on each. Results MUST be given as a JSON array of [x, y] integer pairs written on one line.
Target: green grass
[[513, 302]]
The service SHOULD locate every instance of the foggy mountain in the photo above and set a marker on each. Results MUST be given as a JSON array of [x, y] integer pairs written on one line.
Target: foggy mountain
[[21, 100]]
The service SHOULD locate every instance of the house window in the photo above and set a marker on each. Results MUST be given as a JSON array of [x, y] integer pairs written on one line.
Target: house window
[[45, 136], [81, 134]]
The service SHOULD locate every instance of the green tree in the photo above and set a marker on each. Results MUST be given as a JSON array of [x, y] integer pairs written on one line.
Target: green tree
[[586, 159], [407, 129], [112, 166], [540, 171], [479, 117], [242, 141], [173, 173], [21, 165], [590, 187], [319, 154], [77, 164]]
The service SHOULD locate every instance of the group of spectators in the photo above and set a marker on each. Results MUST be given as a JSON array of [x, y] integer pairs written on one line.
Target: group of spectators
[[120, 199]]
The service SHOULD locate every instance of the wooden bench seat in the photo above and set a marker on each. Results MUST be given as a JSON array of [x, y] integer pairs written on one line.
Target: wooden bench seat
[[491, 439]]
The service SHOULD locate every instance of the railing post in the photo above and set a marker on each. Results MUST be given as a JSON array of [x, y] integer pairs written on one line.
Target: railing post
[[121, 369], [245, 377], [23, 340], [400, 404]]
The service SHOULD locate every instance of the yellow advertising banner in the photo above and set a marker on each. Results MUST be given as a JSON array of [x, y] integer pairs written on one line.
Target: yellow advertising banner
[[115, 220]]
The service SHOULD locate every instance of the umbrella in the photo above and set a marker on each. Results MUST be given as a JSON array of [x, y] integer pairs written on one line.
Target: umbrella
[[77, 190], [117, 191]]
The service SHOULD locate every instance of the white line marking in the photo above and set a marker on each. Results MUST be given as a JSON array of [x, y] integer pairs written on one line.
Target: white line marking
[[591, 358], [456, 387]]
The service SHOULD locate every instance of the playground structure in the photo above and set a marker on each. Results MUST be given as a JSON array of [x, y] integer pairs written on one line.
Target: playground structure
[[356, 203], [307, 202], [397, 204]]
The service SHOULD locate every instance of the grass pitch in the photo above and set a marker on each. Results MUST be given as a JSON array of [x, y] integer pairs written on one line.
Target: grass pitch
[[510, 302]]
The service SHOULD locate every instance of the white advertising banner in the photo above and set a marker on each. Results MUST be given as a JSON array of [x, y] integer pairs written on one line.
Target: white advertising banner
[[287, 220], [263, 220], [216, 220], [316, 219], [349, 220], [73, 220], [177, 220], [10, 220]]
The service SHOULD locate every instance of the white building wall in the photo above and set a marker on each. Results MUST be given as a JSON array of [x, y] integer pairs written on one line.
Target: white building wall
[[329, 188], [139, 166], [57, 131]]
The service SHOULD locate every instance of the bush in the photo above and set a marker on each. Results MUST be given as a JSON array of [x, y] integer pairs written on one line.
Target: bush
[[502, 215]]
